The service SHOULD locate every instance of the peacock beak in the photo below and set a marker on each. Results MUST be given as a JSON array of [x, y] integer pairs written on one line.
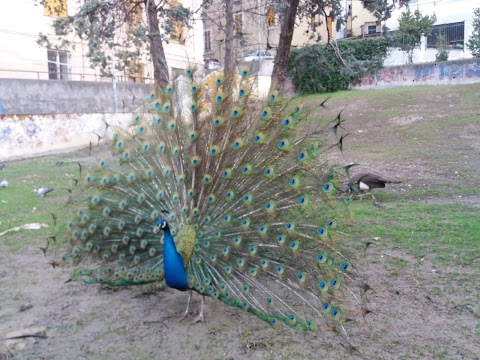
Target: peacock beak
[[156, 229]]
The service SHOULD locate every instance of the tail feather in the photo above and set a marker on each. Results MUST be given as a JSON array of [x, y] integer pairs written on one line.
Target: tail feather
[[250, 192]]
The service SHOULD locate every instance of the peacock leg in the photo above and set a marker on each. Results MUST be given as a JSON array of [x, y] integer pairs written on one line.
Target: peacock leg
[[199, 318], [188, 305], [375, 203]]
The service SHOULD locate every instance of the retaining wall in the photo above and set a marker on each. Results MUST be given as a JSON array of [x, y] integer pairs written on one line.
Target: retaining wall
[[437, 73]]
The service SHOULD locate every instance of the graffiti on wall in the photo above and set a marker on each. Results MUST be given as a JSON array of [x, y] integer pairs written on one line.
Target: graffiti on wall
[[365, 80], [473, 70], [392, 74], [450, 71], [5, 132], [425, 72], [2, 108]]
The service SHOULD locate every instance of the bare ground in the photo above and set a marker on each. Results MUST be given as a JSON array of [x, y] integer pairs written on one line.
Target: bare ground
[[419, 311]]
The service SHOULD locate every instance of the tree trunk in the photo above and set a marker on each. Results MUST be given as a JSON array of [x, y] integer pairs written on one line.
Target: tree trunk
[[160, 67], [279, 73], [229, 62]]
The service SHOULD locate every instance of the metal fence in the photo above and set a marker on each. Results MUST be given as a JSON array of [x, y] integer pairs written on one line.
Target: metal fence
[[71, 76], [454, 33]]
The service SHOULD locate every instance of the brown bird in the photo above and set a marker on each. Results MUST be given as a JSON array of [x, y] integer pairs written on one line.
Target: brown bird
[[367, 181]]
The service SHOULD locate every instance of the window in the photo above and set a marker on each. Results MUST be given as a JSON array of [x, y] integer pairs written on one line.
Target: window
[[454, 32], [372, 29], [58, 68], [55, 8], [208, 41], [271, 16], [239, 23]]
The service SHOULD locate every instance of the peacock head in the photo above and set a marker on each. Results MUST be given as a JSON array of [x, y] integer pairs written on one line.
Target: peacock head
[[161, 225]]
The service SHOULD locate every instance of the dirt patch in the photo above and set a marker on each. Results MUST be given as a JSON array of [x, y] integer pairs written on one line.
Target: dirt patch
[[418, 311], [405, 120]]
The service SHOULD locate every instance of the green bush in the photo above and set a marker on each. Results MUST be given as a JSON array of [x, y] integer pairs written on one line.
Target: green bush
[[315, 68]]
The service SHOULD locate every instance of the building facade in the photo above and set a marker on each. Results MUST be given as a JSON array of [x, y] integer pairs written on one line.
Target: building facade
[[454, 20], [257, 27], [21, 57]]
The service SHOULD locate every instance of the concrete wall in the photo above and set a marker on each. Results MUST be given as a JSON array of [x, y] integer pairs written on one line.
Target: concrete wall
[[38, 97], [39, 117], [34, 135], [448, 72]]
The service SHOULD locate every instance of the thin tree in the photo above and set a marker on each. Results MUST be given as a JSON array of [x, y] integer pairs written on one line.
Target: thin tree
[[229, 61], [279, 74], [317, 14], [411, 28]]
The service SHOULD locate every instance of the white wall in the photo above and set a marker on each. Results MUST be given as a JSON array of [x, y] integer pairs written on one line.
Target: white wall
[[446, 11], [34, 135], [21, 22]]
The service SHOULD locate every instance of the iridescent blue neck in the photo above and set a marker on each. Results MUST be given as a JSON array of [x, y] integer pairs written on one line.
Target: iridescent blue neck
[[175, 274]]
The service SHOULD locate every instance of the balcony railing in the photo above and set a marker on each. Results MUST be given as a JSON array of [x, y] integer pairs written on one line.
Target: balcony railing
[[70, 76]]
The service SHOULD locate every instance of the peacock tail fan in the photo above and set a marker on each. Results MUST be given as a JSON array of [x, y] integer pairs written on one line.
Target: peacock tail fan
[[251, 193]]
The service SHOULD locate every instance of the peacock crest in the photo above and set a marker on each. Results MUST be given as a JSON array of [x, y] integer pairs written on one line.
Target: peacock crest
[[249, 191]]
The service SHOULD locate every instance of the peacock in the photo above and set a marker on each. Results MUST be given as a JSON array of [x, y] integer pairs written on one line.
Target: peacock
[[214, 190]]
